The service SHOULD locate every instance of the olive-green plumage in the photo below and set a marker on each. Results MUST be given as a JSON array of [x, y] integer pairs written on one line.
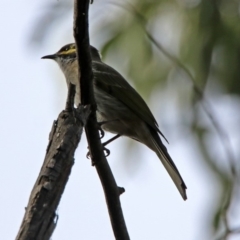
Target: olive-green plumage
[[119, 104]]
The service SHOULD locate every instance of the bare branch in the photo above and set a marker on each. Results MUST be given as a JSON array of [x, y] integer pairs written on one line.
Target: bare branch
[[110, 187], [40, 218]]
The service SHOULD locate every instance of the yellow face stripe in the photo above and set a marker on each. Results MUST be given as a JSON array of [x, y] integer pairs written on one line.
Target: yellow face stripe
[[69, 51]]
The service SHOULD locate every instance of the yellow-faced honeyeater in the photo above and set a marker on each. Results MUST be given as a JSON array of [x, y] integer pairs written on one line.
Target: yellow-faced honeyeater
[[118, 105]]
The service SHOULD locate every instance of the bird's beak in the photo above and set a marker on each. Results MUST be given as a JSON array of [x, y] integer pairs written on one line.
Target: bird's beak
[[52, 56]]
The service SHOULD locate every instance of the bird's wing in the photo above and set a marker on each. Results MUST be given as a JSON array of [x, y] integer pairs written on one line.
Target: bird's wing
[[111, 82], [168, 163]]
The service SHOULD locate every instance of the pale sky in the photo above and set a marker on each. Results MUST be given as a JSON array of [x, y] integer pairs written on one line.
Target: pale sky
[[32, 93]]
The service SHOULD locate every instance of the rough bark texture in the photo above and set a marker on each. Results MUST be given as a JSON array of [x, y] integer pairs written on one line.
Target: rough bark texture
[[111, 190], [40, 217]]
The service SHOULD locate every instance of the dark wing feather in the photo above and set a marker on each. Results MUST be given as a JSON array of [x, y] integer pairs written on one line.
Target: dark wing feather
[[111, 82]]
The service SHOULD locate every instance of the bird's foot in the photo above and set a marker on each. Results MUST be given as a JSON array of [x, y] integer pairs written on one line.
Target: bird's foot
[[102, 133], [107, 151]]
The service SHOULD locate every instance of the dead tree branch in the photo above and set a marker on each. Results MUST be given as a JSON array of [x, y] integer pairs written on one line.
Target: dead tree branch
[[110, 187], [40, 217]]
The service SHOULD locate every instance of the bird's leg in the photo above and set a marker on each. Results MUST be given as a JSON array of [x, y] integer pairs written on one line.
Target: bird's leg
[[111, 139], [104, 149], [106, 143], [102, 133]]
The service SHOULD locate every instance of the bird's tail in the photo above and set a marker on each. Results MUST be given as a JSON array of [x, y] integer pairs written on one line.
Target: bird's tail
[[168, 163]]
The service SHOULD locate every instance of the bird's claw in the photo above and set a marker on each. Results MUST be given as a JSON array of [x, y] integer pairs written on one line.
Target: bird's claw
[[102, 133], [107, 151], [88, 155]]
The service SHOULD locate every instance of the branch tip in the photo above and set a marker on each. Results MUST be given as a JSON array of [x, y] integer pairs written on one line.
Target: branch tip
[[121, 190]]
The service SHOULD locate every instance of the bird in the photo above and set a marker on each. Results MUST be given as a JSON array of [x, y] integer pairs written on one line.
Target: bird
[[119, 106]]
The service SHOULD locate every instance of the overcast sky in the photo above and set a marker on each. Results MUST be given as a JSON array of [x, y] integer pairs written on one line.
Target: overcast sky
[[32, 93]]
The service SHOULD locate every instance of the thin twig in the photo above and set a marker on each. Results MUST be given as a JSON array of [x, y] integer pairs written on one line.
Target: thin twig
[[110, 187]]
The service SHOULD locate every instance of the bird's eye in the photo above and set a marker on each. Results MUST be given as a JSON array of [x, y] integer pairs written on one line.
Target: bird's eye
[[64, 49]]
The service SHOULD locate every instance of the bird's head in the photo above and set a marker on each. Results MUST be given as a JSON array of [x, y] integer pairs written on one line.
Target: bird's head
[[67, 54]]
